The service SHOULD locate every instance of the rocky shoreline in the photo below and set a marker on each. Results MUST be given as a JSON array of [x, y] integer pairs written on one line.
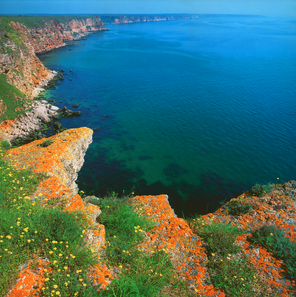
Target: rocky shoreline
[[39, 117]]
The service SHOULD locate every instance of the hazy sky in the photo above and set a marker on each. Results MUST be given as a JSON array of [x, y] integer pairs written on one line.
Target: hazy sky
[[261, 7]]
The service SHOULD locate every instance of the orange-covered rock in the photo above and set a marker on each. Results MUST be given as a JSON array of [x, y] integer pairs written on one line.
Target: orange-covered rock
[[30, 280], [174, 236], [63, 158]]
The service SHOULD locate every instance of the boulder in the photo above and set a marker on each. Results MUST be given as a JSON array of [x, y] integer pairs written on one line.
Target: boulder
[[54, 108], [41, 113]]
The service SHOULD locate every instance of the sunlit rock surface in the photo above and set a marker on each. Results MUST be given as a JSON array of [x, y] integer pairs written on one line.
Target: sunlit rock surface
[[63, 158]]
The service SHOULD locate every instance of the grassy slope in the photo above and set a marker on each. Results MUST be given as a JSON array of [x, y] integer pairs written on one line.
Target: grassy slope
[[29, 231], [8, 95]]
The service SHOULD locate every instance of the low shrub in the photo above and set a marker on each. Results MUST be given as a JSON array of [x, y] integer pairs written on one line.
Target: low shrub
[[124, 229], [260, 190], [46, 143], [237, 207]]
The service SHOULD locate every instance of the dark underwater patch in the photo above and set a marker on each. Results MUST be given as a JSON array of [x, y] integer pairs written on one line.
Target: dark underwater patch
[[143, 158], [174, 170]]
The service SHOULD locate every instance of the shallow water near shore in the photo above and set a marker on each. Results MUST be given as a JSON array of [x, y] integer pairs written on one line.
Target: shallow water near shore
[[200, 109]]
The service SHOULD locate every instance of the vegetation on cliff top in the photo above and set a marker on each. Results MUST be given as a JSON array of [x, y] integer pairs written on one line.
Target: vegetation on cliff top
[[29, 231], [33, 233], [37, 231], [7, 33]]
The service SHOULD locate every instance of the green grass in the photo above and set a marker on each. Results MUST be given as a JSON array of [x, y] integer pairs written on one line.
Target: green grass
[[228, 267], [13, 34], [124, 228], [28, 230], [31, 230], [276, 242], [146, 276], [143, 273], [14, 107], [238, 207]]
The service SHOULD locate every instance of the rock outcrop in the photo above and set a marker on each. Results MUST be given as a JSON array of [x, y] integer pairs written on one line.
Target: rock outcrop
[[62, 159]]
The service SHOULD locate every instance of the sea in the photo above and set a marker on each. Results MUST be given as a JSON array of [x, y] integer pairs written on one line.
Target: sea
[[200, 109]]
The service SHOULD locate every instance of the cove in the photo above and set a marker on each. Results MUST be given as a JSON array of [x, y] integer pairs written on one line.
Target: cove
[[199, 109]]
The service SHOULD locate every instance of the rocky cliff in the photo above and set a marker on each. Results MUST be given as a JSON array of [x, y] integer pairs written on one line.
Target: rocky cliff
[[59, 161], [63, 158], [125, 19], [21, 41], [54, 31], [18, 60]]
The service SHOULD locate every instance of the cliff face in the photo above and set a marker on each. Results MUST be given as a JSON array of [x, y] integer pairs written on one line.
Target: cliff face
[[19, 62], [63, 158], [20, 42], [53, 33], [125, 19]]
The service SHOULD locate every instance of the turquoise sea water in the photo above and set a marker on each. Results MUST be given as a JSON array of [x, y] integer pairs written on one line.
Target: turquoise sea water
[[200, 109]]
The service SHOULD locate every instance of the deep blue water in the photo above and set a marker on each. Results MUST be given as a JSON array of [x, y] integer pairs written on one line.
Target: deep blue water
[[200, 109]]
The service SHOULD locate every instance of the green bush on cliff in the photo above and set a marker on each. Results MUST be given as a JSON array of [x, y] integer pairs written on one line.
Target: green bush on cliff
[[260, 190], [124, 229], [46, 143], [238, 207]]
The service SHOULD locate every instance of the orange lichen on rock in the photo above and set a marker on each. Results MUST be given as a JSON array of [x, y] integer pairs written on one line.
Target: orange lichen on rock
[[173, 235], [30, 280], [269, 268], [277, 208], [63, 158], [5, 128], [101, 275], [53, 188]]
